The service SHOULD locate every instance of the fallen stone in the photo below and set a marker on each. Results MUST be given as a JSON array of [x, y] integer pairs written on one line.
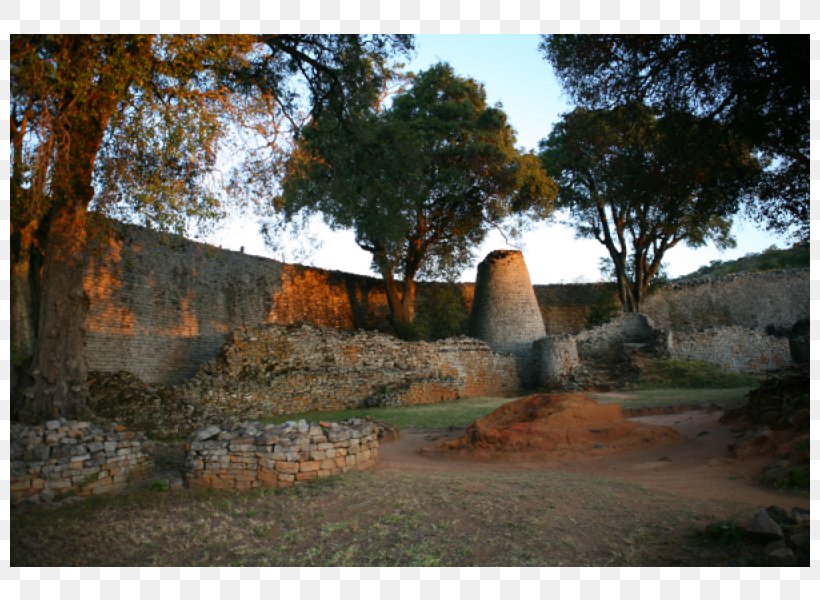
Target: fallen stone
[[207, 433], [763, 528]]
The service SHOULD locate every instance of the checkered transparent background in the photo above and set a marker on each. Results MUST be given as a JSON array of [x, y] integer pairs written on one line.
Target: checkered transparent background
[[406, 16]]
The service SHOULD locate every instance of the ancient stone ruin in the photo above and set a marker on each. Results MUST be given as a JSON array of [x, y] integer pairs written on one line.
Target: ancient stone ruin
[[251, 455], [62, 459], [505, 311]]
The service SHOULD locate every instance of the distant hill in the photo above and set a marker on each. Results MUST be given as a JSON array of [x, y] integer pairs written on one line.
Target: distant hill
[[796, 257]]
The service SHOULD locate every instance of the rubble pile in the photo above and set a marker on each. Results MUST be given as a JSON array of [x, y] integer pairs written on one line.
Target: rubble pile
[[775, 422]]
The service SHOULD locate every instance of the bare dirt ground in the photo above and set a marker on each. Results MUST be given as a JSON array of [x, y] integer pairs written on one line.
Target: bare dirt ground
[[698, 466]]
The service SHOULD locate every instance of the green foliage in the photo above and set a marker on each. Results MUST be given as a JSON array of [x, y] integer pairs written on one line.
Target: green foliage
[[724, 533], [158, 485], [603, 311], [689, 374], [419, 183], [795, 477], [640, 183], [796, 257], [441, 312], [756, 85], [457, 413]]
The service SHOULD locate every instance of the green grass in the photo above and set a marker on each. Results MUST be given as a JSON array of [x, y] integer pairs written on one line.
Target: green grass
[[458, 413], [689, 374], [462, 413], [722, 397]]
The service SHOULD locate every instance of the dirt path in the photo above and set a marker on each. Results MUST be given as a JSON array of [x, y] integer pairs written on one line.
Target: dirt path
[[696, 467]]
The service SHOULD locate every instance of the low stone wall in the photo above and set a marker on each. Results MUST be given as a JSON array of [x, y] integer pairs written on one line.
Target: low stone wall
[[556, 361], [64, 458], [277, 370], [736, 349], [250, 455], [627, 328]]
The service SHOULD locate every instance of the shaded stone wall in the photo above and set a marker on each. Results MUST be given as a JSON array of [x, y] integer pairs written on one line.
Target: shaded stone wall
[[556, 359], [753, 300], [161, 306], [251, 455], [736, 349], [276, 369], [566, 308], [73, 458]]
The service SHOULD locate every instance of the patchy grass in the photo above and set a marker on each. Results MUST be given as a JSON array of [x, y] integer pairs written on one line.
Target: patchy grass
[[458, 413], [724, 398], [690, 374], [381, 518], [462, 413]]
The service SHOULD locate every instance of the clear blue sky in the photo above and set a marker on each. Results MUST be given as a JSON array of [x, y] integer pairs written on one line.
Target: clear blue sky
[[514, 74]]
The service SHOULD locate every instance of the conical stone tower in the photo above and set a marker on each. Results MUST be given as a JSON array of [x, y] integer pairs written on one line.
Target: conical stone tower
[[505, 311]]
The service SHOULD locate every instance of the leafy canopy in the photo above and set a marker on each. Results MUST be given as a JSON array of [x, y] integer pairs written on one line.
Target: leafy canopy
[[756, 85], [640, 184], [188, 107], [421, 182]]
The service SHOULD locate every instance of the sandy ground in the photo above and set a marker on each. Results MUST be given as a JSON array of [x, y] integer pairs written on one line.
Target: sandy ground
[[698, 466]]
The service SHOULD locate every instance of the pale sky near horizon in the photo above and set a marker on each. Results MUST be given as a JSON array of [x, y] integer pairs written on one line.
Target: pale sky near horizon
[[514, 74]]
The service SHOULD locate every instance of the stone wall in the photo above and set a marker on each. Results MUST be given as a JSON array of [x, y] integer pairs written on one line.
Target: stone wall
[[74, 458], [752, 300], [277, 369], [736, 349], [557, 362], [566, 307], [161, 306], [628, 328], [250, 455]]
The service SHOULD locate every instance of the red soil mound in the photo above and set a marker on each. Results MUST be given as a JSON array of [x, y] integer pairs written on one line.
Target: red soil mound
[[555, 422]]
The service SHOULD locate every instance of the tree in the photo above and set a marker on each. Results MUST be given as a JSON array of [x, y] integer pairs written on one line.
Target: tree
[[640, 184], [419, 183], [135, 124], [756, 85]]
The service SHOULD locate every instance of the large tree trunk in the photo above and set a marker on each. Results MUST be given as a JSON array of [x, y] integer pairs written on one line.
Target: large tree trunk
[[401, 303], [24, 291], [58, 371], [59, 368]]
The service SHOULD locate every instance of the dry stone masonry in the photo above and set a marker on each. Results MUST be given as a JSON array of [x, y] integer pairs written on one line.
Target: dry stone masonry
[[275, 369], [736, 349], [752, 300], [505, 310], [557, 362], [74, 458], [251, 455], [162, 306]]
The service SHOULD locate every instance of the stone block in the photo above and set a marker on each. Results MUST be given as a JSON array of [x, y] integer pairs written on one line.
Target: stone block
[[308, 466], [287, 467]]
